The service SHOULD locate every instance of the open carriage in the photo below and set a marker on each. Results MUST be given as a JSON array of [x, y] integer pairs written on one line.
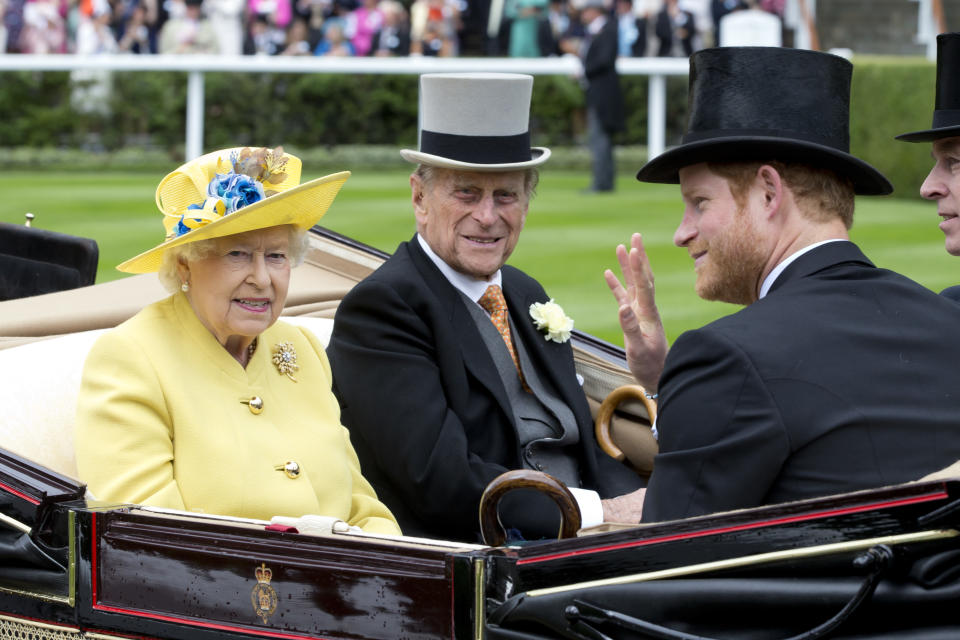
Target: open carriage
[[882, 563]]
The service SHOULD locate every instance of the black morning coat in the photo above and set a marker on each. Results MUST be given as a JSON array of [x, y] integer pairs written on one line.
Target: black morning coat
[[844, 377], [426, 407]]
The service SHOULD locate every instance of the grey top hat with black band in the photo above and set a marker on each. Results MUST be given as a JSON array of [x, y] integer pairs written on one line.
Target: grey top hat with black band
[[768, 103], [946, 110], [476, 122]]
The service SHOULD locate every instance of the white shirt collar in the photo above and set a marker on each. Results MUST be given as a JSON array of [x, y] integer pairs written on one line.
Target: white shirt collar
[[777, 270], [472, 287]]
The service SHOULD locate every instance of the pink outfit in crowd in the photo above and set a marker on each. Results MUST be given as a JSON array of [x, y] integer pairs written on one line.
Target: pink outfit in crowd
[[281, 9], [367, 23]]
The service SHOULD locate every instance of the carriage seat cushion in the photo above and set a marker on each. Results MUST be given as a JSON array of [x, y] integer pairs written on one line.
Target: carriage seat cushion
[[39, 383], [35, 261]]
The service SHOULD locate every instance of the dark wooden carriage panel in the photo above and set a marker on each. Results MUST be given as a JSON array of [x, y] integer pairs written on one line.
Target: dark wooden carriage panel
[[655, 547], [35, 529], [131, 572], [766, 573], [28, 491], [254, 581]]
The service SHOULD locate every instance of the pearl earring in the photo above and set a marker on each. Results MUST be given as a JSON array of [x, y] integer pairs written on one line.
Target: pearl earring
[[185, 287]]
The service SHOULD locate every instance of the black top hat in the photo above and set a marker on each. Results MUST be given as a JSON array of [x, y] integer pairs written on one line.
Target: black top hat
[[768, 103], [946, 112]]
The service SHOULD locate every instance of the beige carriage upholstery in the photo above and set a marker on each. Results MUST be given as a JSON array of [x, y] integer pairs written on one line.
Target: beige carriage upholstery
[[39, 384], [949, 473]]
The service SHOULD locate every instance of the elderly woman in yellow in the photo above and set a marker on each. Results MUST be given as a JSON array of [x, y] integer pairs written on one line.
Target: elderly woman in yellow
[[204, 401]]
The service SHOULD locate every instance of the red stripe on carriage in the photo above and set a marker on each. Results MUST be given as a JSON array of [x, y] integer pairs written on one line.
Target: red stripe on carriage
[[206, 625], [19, 494], [93, 558], [741, 527]]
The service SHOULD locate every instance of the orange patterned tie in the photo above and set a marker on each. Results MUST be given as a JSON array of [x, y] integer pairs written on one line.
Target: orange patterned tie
[[493, 302]]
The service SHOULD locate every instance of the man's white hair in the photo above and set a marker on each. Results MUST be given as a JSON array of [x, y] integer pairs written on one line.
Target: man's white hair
[[531, 176]]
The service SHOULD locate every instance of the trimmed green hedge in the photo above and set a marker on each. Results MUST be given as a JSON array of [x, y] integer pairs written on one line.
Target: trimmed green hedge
[[310, 110], [323, 112], [891, 96]]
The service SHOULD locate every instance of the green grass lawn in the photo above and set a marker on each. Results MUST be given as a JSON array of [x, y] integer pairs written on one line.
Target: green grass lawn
[[568, 240]]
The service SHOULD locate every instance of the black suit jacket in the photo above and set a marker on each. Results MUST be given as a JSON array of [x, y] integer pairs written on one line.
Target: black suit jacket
[[426, 408], [603, 83], [952, 292], [844, 377]]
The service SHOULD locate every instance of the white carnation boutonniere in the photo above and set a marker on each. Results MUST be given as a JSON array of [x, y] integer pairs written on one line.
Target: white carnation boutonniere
[[550, 318]]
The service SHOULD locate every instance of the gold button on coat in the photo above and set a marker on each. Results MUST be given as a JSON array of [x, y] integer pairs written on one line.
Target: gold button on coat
[[255, 404], [291, 468]]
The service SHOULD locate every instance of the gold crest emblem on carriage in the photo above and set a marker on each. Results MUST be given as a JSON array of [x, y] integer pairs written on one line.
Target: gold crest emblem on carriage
[[263, 597]]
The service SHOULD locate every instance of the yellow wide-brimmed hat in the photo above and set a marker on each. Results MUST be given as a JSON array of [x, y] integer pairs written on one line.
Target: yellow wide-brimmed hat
[[234, 191]]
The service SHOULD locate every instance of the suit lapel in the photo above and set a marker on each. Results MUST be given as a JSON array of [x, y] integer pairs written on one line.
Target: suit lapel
[[822, 257], [550, 358], [476, 357], [554, 363]]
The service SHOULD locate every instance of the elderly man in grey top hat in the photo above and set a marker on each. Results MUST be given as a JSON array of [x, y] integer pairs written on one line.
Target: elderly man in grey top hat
[[444, 380], [835, 376], [943, 182]]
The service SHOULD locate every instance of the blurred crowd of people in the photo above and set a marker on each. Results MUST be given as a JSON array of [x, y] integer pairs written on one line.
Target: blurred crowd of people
[[522, 28]]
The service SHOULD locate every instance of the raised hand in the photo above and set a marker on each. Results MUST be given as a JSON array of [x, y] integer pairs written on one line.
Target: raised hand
[[643, 336]]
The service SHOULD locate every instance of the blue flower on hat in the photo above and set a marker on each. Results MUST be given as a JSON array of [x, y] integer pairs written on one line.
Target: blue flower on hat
[[185, 225], [226, 193], [235, 190]]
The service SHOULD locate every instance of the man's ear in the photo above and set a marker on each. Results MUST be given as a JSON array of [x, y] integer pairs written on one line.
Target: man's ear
[[417, 196], [771, 186]]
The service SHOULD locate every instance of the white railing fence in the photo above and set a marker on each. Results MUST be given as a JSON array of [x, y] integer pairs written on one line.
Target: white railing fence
[[657, 69]]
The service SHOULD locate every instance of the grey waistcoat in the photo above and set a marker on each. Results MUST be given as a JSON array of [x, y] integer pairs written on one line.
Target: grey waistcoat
[[546, 428]]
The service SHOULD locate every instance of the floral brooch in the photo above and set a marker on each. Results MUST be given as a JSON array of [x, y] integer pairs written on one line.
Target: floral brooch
[[285, 359], [550, 318]]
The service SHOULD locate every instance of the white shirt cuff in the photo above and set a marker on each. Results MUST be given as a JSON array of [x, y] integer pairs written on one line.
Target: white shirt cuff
[[591, 510]]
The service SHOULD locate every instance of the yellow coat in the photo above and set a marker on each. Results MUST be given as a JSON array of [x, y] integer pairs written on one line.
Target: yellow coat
[[161, 421]]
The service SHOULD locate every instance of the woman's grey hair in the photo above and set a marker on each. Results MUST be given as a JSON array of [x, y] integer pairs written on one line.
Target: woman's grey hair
[[170, 279]]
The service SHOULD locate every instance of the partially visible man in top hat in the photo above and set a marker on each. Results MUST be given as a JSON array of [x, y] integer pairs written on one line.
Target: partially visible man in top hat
[[943, 182], [835, 376], [444, 380]]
